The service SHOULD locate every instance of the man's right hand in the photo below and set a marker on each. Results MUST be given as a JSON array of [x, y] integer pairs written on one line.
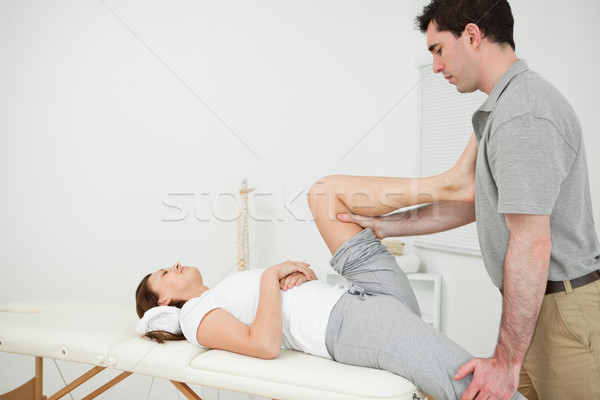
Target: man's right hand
[[364, 221]]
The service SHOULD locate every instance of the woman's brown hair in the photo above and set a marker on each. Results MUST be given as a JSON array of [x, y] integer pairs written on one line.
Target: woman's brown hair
[[146, 299]]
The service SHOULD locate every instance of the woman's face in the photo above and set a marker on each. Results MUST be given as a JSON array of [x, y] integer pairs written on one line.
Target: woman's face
[[175, 283]]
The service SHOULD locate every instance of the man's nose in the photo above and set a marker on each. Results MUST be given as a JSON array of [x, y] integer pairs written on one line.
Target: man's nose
[[438, 66]]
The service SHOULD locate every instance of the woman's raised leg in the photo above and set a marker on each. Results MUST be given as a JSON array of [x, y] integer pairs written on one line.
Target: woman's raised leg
[[340, 194]]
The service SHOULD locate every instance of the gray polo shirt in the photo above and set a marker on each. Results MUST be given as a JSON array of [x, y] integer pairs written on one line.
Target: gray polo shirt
[[531, 160]]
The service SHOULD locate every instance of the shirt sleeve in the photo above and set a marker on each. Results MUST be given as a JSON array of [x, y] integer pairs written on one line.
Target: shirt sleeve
[[529, 160], [192, 313]]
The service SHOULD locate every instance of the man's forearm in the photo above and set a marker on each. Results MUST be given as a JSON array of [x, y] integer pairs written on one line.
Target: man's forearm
[[431, 218], [525, 277]]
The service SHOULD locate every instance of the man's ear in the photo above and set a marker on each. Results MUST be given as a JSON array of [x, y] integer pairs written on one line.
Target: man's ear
[[473, 34], [165, 301]]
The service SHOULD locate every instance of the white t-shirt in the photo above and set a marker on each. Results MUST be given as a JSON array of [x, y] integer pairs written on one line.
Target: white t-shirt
[[305, 309]]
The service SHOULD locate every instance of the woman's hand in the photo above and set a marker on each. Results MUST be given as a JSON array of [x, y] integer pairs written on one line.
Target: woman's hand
[[286, 268], [295, 279]]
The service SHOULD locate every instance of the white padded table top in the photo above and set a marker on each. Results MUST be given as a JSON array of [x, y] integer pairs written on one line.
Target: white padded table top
[[311, 377], [65, 330], [292, 375], [169, 360], [103, 334]]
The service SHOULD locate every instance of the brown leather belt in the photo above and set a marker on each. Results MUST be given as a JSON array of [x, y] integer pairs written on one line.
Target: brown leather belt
[[558, 286]]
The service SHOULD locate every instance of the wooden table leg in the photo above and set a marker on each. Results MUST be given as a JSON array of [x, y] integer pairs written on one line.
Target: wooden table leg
[[186, 390], [39, 378], [32, 389], [92, 372], [107, 386]]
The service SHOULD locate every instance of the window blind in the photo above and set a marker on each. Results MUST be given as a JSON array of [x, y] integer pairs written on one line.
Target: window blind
[[445, 127]]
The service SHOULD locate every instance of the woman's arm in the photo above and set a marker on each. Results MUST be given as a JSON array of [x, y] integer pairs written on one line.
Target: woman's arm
[[221, 330]]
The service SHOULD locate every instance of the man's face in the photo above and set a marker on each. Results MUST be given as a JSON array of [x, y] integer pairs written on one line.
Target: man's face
[[453, 57]]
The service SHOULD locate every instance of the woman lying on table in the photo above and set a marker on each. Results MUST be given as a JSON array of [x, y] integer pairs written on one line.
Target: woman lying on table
[[374, 323]]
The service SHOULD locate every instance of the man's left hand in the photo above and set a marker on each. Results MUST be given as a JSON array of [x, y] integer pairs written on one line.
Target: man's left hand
[[491, 379]]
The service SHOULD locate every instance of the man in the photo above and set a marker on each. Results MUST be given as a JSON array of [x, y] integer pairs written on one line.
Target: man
[[533, 210]]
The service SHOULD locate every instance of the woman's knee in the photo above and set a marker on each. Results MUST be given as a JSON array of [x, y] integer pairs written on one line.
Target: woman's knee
[[323, 190]]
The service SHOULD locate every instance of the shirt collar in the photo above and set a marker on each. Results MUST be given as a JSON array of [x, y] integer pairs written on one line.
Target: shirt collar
[[514, 70]]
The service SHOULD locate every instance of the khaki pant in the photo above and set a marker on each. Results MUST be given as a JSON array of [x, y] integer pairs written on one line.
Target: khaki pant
[[563, 361]]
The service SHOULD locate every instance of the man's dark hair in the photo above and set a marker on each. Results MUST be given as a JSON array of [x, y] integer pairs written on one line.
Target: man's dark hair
[[493, 17]]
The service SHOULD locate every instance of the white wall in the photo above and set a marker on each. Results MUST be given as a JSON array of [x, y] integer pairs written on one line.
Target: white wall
[[107, 107], [100, 124]]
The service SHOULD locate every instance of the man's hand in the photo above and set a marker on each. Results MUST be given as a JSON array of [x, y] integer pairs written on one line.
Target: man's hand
[[432, 218], [295, 279], [364, 222], [491, 379]]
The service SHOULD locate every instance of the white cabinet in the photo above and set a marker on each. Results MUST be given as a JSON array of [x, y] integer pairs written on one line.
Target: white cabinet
[[428, 289]]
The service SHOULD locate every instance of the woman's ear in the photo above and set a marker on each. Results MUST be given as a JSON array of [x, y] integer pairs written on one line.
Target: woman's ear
[[164, 301], [473, 34]]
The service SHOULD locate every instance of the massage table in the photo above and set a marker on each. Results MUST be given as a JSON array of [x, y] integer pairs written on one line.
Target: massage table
[[103, 336]]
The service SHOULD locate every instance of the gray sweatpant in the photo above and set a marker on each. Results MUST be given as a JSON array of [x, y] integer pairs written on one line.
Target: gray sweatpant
[[377, 323]]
